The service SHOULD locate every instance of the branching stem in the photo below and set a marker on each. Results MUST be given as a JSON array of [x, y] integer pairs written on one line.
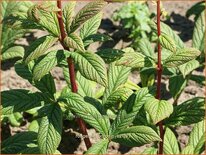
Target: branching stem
[[80, 122]]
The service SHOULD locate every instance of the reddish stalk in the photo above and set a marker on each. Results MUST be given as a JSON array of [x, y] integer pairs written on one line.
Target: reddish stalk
[[80, 122], [159, 76]]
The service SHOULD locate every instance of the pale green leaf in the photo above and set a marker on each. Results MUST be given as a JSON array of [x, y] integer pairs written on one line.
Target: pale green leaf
[[188, 150], [167, 43], [146, 48], [99, 147], [91, 66], [13, 52], [50, 129], [150, 150], [170, 145], [158, 109], [136, 136]]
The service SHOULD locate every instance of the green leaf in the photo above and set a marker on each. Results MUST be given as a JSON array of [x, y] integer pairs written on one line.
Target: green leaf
[[170, 145], [13, 52], [18, 142], [129, 110], [91, 66], [198, 38], [188, 67], [50, 129], [196, 10], [74, 41], [117, 76], [39, 47], [200, 79], [136, 136], [188, 112], [158, 109], [12, 100], [99, 147], [197, 137], [167, 43], [87, 12], [150, 150], [188, 150], [146, 48], [46, 64], [68, 13], [87, 112], [131, 59], [91, 26], [180, 84], [181, 56]]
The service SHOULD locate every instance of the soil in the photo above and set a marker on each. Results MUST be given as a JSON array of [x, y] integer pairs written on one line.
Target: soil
[[70, 143]]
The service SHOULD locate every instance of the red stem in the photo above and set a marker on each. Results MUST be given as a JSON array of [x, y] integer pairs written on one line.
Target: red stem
[[80, 122], [159, 76]]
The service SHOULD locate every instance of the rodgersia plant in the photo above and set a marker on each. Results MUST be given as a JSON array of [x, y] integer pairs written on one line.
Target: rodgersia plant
[[119, 109]]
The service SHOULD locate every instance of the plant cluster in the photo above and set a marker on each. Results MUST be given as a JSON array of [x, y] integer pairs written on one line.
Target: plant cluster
[[98, 91]]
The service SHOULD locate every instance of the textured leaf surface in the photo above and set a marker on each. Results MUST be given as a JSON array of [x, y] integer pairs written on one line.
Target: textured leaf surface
[[188, 150], [87, 12], [136, 136], [158, 110], [181, 56], [150, 150], [146, 48], [87, 112], [13, 52], [99, 147], [91, 66], [188, 112], [198, 39], [39, 47], [12, 100], [50, 129], [74, 41], [170, 143], [167, 43]]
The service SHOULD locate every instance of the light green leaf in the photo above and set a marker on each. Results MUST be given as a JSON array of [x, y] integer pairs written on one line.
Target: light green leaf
[[136, 136], [129, 110], [91, 26], [188, 150], [87, 12], [50, 129], [146, 48], [74, 41], [87, 112], [167, 42], [198, 39], [188, 112], [188, 67], [12, 100], [181, 56], [39, 47], [46, 64], [13, 52], [91, 66], [99, 147], [170, 145], [158, 109], [68, 13], [150, 150]]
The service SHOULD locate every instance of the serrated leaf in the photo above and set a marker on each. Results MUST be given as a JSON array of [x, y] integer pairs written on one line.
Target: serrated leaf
[[74, 41], [87, 112], [87, 12], [39, 47], [99, 147], [117, 76], [188, 112], [50, 129], [198, 38], [18, 142], [150, 150], [146, 48], [197, 137], [167, 43], [188, 150], [136, 136], [13, 52], [91, 66], [46, 64], [91, 26], [129, 110], [170, 145], [182, 56], [158, 109], [188, 67], [180, 84], [131, 59], [68, 13], [12, 100]]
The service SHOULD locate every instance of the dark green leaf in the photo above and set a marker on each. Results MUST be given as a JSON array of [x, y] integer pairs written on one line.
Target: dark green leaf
[[99, 147]]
